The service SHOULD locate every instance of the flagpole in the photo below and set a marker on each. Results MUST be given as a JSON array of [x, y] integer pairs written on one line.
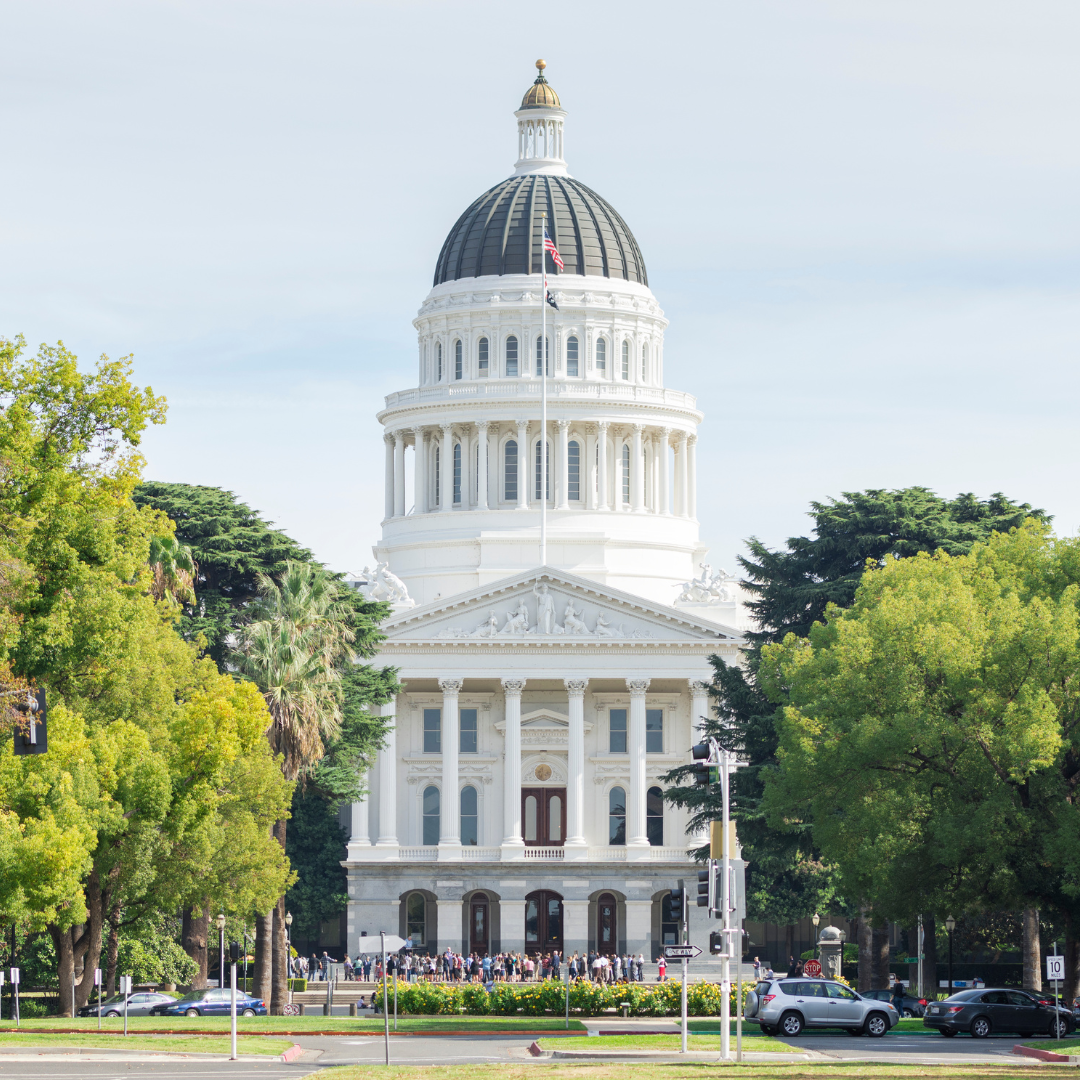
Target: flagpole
[[543, 392]]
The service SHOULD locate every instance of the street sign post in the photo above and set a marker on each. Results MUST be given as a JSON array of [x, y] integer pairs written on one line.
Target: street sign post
[[15, 975], [681, 952], [97, 983], [1055, 973], [812, 968]]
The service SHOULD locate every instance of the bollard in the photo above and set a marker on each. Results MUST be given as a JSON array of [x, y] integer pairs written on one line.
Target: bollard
[[625, 1009], [352, 1008]]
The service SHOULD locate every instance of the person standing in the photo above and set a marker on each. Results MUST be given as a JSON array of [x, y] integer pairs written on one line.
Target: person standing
[[757, 969], [661, 966]]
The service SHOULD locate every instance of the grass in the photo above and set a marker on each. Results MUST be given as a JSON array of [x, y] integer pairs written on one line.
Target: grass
[[1058, 1046], [186, 1044], [664, 1042]]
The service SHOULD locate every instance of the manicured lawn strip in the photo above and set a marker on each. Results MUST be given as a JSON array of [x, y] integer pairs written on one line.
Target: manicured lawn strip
[[663, 1042], [1057, 1046], [177, 1044]]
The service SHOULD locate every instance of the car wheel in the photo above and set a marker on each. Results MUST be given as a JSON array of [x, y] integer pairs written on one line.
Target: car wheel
[[191, 1012], [980, 1027], [249, 1012], [112, 1012], [908, 1014], [1062, 1028], [876, 1025], [791, 1024], [948, 1034]]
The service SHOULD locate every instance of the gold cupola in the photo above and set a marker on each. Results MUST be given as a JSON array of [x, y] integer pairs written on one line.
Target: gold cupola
[[540, 95]]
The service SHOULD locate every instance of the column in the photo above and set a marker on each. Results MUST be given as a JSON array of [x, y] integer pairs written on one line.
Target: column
[[446, 469], [637, 470], [359, 830], [466, 440], [588, 471], [636, 833], [388, 480], [576, 846], [419, 471], [388, 784], [399, 474], [603, 503], [513, 845], [680, 475], [663, 460], [450, 810], [523, 462], [691, 477], [562, 466], [482, 464]]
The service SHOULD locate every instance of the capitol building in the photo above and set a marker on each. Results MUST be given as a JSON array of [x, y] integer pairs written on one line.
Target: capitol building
[[518, 801]]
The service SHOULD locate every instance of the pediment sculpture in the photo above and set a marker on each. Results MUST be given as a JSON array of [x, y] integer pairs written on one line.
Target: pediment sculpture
[[712, 587]]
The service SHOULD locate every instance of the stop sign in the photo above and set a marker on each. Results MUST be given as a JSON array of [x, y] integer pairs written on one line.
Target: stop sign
[[812, 968]]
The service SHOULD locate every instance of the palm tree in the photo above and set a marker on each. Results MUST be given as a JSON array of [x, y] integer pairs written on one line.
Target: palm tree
[[174, 570], [293, 650]]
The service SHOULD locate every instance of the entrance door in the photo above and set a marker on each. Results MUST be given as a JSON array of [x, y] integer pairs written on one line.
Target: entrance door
[[543, 816], [478, 925], [543, 922]]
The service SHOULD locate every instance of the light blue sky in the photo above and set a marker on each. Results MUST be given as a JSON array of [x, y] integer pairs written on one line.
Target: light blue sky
[[860, 218]]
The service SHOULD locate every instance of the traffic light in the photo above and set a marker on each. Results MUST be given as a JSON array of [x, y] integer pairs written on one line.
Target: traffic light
[[704, 885], [704, 775], [701, 751], [234, 952], [678, 905], [716, 942]]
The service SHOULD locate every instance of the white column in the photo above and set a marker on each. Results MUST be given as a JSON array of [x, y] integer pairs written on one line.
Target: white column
[[576, 845], [637, 470], [513, 844], [450, 815], [419, 471], [699, 707], [523, 462], [562, 466], [680, 475], [399, 474], [603, 502], [360, 829], [388, 784], [588, 472], [388, 479], [662, 454], [446, 469], [691, 477], [482, 464], [636, 832]]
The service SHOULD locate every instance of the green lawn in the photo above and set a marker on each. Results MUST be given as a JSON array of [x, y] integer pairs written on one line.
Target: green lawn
[[664, 1042], [188, 1044], [1058, 1046]]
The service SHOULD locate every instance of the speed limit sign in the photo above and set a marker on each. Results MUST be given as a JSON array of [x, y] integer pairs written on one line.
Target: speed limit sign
[[1055, 968]]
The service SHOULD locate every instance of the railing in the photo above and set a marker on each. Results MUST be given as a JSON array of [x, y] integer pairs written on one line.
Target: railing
[[481, 854], [606, 854], [418, 854], [543, 853], [557, 388]]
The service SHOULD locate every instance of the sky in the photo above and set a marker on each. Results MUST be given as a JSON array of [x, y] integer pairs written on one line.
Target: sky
[[860, 218]]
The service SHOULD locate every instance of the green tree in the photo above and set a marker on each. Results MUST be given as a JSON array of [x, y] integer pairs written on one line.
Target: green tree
[[173, 570]]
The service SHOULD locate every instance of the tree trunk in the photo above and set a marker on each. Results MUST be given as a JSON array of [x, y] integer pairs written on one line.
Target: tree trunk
[[279, 993], [261, 973], [1032, 956], [866, 973], [879, 944], [113, 950], [196, 928], [77, 951], [930, 979]]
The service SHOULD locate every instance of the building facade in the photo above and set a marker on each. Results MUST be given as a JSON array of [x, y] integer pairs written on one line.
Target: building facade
[[518, 803]]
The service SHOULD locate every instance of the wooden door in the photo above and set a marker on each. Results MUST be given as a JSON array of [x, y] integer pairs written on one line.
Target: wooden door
[[543, 816], [478, 925], [543, 922]]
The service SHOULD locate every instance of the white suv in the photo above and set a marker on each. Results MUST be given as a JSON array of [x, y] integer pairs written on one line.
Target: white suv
[[786, 1006]]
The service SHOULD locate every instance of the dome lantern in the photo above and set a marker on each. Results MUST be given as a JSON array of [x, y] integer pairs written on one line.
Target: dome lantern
[[540, 129]]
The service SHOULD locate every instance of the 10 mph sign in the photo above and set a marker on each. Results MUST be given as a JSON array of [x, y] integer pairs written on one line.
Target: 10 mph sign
[[1055, 968]]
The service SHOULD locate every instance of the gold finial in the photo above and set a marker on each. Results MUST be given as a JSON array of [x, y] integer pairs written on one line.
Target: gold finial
[[540, 65]]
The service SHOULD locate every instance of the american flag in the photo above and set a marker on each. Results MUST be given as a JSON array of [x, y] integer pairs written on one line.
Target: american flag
[[549, 247]]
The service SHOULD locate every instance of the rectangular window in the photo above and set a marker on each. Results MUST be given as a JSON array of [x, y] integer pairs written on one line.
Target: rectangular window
[[547, 448], [617, 731], [510, 471], [573, 471], [468, 732], [572, 356], [483, 357], [433, 731], [457, 472], [601, 354], [511, 358], [654, 731]]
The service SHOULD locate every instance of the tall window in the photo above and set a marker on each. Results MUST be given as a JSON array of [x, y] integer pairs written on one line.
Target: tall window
[[606, 929], [540, 342], [433, 731], [547, 451], [654, 731], [431, 816], [654, 816], [616, 816], [573, 470], [510, 471], [458, 366], [438, 486], [438, 362], [572, 356], [511, 357], [482, 357], [617, 731], [457, 472], [467, 732], [626, 359], [416, 918], [601, 354], [644, 362], [469, 817], [626, 474]]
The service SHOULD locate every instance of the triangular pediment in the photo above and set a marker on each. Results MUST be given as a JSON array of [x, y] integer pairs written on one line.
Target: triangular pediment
[[551, 606]]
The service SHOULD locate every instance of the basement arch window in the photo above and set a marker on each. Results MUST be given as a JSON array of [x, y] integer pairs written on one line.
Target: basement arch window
[[511, 357]]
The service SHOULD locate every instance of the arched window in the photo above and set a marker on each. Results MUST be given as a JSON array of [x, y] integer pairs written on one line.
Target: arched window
[[540, 343], [457, 472], [547, 450], [616, 816], [644, 362], [438, 361], [510, 471], [626, 474], [438, 486], [482, 357], [469, 817], [607, 930], [572, 356], [511, 357], [458, 365], [416, 918], [601, 354], [431, 816], [573, 470], [654, 817], [626, 359]]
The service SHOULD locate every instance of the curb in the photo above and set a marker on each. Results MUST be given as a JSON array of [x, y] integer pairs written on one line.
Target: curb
[[292, 1053], [534, 1049], [1045, 1055]]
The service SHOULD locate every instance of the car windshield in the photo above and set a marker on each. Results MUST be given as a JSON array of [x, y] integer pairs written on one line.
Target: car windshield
[[195, 995]]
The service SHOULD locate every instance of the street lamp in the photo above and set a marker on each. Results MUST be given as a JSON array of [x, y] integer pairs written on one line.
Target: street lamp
[[221, 950], [950, 925], [288, 950]]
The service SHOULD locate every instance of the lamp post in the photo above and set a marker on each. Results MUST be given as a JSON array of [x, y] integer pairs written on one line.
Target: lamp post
[[221, 950], [950, 925], [245, 935], [815, 919], [288, 952]]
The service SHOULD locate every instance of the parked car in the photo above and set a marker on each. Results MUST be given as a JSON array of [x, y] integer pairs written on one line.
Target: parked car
[[137, 1004], [913, 1006], [786, 1006], [212, 1002], [982, 1012]]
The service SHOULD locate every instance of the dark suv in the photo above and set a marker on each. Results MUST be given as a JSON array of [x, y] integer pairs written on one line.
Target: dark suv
[[982, 1012]]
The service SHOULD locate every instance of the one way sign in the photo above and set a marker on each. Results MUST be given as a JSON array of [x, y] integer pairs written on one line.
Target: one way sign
[[681, 952]]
